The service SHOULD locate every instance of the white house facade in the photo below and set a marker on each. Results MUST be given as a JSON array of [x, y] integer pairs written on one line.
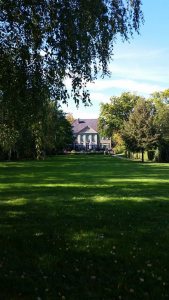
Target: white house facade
[[87, 137]]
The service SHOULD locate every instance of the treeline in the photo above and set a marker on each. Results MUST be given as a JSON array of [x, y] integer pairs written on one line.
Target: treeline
[[136, 124], [27, 134]]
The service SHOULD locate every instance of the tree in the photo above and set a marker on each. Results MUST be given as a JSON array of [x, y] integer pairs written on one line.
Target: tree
[[140, 132], [160, 97], [113, 114], [48, 132], [58, 40], [70, 118], [8, 139], [161, 102], [45, 43], [57, 130], [52, 133], [118, 143]]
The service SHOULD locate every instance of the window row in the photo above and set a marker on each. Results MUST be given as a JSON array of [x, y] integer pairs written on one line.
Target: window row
[[88, 138]]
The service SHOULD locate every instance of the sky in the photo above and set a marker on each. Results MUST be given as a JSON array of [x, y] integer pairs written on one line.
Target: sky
[[141, 66]]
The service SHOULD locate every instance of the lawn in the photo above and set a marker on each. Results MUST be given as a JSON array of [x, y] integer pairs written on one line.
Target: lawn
[[84, 227]]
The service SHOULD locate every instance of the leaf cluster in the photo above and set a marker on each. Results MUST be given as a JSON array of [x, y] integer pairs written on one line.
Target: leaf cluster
[[140, 132], [113, 114], [64, 39]]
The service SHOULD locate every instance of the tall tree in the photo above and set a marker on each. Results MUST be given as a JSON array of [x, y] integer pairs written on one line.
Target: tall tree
[[57, 130], [8, 139], [46, 42], [113, 114], [63, 39], [161, 102], [140, 132]]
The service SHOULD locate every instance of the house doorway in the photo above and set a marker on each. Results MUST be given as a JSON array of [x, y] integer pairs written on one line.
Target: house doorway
[[87, 146]]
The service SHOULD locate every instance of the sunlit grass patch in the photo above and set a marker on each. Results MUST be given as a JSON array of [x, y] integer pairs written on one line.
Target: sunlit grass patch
[[17, 201], [109, 198]]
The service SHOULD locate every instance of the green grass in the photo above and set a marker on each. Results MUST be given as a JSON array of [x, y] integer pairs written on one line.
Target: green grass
[[84, 227]]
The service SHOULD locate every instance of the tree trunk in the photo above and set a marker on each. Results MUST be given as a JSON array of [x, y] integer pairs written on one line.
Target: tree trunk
[[142, 155], [9, 154]]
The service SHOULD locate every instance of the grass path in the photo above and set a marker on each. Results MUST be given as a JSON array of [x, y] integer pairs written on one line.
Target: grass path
[[84, 227]]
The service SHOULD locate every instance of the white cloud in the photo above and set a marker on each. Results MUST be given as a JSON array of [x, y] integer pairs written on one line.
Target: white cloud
[[159, 74], [82, 112], [125, 84], [99, 97], [150, 54], [85, 115], [134, 86], [102, 90]]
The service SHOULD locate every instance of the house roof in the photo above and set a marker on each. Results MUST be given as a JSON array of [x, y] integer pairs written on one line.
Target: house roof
[[80, 124]]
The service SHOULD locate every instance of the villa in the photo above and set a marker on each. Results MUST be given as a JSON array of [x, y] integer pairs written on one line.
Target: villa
[[87, 137]]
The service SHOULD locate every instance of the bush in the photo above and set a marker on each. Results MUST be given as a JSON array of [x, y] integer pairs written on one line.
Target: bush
[[73, 152]]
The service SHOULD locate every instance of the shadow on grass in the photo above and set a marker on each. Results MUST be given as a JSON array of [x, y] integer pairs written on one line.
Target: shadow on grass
[[95, 239], [83, 249]]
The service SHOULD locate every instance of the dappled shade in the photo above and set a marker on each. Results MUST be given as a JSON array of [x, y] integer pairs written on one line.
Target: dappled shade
[[84, 227]]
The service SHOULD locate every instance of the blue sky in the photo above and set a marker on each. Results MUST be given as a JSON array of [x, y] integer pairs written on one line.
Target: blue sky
[[141, 66]]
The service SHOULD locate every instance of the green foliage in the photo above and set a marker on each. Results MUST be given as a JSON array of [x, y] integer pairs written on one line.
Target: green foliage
[[8, 138], [161, 97], [118, 143], [161, 102], [113, 114], [49, 132], [53, 133], [45, 43], [70, 118], [142, 125], [49, 38], [140, 132]]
